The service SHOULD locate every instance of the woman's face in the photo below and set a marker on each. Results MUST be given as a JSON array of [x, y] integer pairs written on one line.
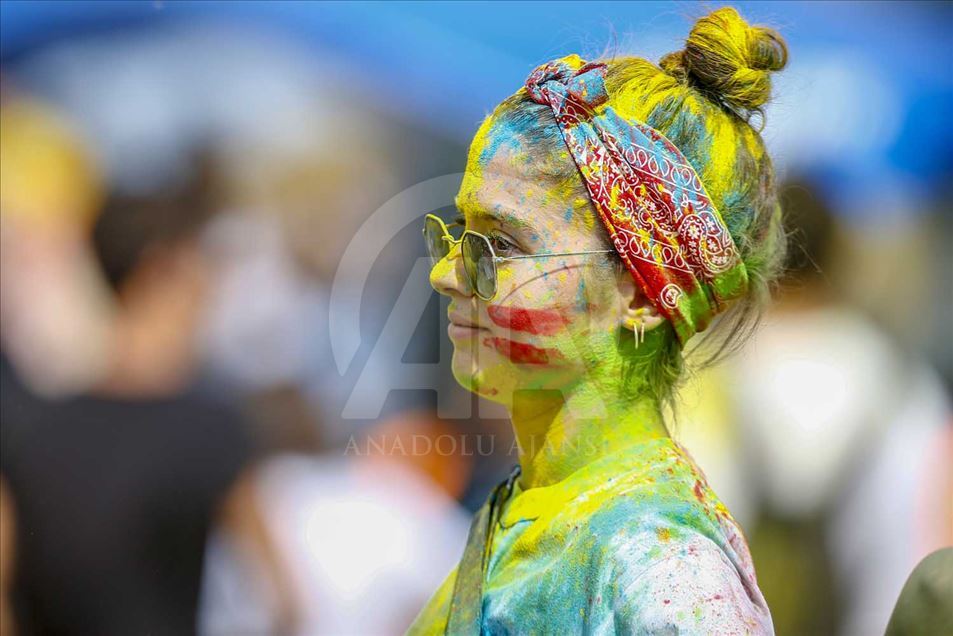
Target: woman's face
[[552, 318]]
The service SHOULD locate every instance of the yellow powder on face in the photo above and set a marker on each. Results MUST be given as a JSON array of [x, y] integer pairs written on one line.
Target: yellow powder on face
[[504, 276], [442, 269], [584, 214]]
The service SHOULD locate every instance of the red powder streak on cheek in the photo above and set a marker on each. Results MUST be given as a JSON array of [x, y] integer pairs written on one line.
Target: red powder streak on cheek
[[520, 352], [544, 322]]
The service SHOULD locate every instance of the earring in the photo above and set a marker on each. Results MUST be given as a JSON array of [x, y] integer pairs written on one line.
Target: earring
[[638, 334]]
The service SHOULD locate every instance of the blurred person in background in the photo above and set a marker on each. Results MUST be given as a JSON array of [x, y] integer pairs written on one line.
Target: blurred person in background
[[298, 168], [838, 452], [852, 483], [114, 487]]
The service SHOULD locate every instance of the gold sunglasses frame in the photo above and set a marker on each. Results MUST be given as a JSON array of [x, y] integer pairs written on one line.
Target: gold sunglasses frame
[[493, 256]]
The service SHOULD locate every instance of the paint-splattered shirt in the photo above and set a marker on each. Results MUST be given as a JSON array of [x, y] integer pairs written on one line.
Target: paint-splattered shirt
[[633, 543]]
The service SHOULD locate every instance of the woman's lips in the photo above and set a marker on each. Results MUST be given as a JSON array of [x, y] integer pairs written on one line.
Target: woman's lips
[[461, 330], [461, 327]]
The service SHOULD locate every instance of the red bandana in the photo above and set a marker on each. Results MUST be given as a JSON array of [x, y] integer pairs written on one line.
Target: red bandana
[[661, 220]]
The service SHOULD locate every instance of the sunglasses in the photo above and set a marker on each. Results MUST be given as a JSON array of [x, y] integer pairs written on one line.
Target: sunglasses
[[479, 259]]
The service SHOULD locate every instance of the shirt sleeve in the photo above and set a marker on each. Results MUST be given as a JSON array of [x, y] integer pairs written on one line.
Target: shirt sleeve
[[692, 587]]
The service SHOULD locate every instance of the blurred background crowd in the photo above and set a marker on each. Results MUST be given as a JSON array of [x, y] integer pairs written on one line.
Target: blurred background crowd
[[195, 316]]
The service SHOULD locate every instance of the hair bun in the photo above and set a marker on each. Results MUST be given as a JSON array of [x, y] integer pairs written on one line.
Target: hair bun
[[730, 59]]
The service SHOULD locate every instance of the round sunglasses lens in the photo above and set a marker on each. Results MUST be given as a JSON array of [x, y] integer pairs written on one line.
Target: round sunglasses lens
[[478, 263], [437, 247]]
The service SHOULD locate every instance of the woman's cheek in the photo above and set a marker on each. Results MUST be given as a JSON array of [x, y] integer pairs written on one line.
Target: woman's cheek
[[542, 335], [539, 316], [533, 321]]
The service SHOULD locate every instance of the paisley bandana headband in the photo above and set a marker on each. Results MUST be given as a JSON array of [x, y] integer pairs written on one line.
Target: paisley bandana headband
[[659, 215]]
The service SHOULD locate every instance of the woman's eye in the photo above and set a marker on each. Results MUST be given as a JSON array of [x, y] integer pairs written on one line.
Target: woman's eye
[[502, 245]]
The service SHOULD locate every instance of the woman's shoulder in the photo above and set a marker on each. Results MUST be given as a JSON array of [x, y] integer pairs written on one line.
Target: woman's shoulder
[[675, 567], [658, 491], [674, 555], [661, 504], [686, 582]]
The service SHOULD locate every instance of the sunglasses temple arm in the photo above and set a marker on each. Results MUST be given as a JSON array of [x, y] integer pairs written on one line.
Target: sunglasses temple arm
[[513, 258]]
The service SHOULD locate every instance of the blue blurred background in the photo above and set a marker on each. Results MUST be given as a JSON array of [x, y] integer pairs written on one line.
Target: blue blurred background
[[299, 120]]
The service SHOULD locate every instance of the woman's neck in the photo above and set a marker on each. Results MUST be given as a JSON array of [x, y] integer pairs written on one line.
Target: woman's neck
[[560, 433]]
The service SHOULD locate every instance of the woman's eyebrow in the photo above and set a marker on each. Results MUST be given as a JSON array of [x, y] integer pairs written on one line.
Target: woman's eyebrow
[[500, 214]]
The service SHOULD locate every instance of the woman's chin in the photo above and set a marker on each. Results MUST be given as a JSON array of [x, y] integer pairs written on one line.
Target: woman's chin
[[465, 370], [472, 378]]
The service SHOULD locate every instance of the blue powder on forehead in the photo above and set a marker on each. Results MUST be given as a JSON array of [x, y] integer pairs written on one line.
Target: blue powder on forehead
[[505, 133]]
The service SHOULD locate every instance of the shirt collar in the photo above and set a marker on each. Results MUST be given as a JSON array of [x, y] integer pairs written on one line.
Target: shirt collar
[[529, 505]]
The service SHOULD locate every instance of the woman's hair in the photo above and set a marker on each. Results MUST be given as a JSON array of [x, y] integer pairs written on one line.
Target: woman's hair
[[703, 99]]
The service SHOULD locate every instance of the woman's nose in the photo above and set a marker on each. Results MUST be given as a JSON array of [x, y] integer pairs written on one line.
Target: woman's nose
[[448, 276]]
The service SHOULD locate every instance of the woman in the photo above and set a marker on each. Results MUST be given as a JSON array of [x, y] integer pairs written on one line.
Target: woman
[[612, 210]]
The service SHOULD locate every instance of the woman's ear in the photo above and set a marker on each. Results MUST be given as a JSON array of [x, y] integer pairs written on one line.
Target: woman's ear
[[637, 312]]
